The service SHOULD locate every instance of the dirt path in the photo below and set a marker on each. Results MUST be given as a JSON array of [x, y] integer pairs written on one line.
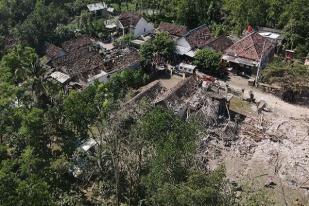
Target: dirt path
[[277, 105]]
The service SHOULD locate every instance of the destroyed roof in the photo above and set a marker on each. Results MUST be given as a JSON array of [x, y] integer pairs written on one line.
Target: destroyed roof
[[125, 60], [72, 45], [52, 51], [173, 29], [199, 37], [128, 19], [251, 47], [78, 62], [221, 43]]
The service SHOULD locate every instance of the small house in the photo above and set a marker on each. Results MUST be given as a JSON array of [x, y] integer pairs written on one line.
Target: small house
[[134, 23], [197, 38], [250, 54]]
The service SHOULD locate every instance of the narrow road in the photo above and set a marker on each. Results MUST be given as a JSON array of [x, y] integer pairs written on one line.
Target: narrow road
[[277, 105]]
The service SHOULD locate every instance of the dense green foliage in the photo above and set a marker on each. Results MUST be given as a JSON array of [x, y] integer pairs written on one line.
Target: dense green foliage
[[292, 77], [162, 45], [208, 61], [144, 155], [234, 16], [146, 151]]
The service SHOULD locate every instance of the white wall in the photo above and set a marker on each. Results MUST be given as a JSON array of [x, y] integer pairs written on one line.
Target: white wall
[[143, 27], [183, 42], [102, 78]]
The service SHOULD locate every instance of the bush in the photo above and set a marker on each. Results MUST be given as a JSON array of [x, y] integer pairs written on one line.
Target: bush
[[208, 61]]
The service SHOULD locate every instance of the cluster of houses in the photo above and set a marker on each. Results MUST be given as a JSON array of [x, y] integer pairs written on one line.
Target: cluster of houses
[[81, 61]]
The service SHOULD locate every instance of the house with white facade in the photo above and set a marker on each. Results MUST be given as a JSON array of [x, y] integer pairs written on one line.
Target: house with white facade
[[134, 23], [197, 38], [250, 54]]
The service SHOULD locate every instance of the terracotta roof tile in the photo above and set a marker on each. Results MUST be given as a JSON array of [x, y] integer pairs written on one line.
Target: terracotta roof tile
[[128, 18], [252, 47], [221, 43], [173, 29], [199, 37]]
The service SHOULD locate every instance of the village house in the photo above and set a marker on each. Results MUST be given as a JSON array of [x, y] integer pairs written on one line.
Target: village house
[[250, 54], [176, 31], [134, 23], [83, 61], [197, 38]]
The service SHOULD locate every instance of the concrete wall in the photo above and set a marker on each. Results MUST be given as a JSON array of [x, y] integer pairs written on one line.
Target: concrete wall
[[183, 42], [143, 27]]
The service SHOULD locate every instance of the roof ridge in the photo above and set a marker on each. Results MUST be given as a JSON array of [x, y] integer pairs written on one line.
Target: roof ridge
[[192, 30]]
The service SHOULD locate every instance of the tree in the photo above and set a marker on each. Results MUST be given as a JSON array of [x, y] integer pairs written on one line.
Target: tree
[[162, 45], [39, 26], [207, 61], [199, 189], [293, 78]]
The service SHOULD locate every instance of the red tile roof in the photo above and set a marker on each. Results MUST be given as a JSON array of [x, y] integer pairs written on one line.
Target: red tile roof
[[128, 18], [173, 29], [199, 37], [252, 47], [221, 43]]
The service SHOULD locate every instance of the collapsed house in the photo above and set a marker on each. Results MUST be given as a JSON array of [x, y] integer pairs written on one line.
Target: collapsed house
[[83, 61], [250, 54], [133, 23]]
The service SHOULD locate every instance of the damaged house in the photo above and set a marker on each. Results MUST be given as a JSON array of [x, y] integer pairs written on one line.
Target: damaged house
[[79, 62], [134, 23], [250, 54]]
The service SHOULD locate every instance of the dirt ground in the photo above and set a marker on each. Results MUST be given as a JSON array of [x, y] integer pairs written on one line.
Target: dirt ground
[[269, 151], [272, 147], [277, 105], [169, 83]]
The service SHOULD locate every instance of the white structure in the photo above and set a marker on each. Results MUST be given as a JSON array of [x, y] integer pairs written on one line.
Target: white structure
[[60, 77], [187, 68], [134, 23], [105, 46], [88, 145], [197, 38], [103, 77], [274, 35], [96, 7]]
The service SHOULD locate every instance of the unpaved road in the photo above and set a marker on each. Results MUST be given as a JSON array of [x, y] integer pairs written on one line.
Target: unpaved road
[[277, 105]]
